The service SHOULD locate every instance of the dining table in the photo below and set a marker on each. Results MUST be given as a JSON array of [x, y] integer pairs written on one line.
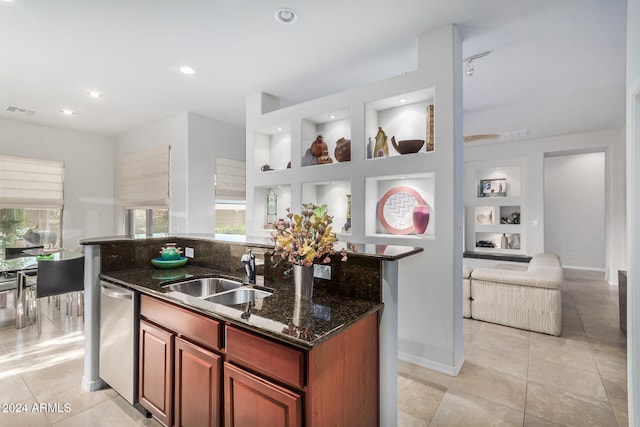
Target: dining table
[[24, 269]]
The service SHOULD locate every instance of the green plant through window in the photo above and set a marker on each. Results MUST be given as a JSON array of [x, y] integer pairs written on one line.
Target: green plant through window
[[30, 227]]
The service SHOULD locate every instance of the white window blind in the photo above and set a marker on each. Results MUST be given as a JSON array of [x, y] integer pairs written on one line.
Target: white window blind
[[31, 183], [230, 179], [144, 181]]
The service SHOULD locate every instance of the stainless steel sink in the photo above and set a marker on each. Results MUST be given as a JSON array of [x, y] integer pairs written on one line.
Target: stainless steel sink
[[238, 296], [202, 288]]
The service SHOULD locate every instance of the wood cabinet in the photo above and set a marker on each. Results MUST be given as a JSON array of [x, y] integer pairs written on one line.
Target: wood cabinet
[[252, 401], [337, 379], [197, 385], [249, 379], [156, 371], [180, 381]]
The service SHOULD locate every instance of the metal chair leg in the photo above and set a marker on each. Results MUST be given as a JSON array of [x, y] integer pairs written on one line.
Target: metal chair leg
[[69, 309], [80, 308], [39, 316]]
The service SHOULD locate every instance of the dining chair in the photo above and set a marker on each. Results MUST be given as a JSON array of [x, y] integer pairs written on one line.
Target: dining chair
[[11, 253], [8, 285], [58, 277]]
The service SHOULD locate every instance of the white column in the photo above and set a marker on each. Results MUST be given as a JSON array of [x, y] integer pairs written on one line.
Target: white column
[[389, 345], [91, 379]]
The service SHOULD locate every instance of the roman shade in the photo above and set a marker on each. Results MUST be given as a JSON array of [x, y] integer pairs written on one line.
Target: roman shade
[[230, 179], [31, 183], [144, 179]]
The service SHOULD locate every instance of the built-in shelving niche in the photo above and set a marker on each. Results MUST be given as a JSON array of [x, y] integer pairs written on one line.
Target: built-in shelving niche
[[389, 204], [512, 244], [404, 116], [272, 148], [261, 205], [336, 195], [332, 125]]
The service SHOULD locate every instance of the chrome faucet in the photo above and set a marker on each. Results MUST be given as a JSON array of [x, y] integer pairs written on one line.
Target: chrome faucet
[[249, 262]]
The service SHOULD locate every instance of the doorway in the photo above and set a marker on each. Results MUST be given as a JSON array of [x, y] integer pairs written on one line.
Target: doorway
[[574, 209]]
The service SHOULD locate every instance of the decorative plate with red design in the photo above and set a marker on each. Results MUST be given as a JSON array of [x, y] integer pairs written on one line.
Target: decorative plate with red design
[[395, 209]]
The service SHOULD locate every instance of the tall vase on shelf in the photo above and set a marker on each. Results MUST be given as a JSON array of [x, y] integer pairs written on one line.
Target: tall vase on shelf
[[272, 206], [303, 281], [347, 225]]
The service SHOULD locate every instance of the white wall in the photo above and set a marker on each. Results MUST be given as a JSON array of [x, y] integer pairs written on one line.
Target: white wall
[[88, 181], [208, 138], [194, 141], [574, 209], [633, 208], [533, 151], [171, 131]]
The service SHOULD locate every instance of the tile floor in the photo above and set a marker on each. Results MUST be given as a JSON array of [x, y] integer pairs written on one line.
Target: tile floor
[[510, 377], [518, 378]]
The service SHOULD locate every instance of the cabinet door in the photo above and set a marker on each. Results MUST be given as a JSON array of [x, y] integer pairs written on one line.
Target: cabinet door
[[198, 384], [156, 371], [251, 401]]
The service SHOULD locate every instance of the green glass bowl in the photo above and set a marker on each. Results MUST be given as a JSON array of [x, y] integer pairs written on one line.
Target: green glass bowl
[[167, 264]]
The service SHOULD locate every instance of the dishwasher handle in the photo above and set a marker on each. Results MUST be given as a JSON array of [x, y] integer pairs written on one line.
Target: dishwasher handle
[[114, 292]]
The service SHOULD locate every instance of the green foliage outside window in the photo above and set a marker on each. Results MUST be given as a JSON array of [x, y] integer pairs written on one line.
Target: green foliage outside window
[[12, 225]]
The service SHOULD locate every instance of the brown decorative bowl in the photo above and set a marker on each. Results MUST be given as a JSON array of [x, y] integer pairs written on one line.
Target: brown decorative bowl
[[407, 146]]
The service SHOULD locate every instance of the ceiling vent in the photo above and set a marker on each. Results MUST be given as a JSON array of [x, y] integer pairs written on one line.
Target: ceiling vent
[[13, 109]]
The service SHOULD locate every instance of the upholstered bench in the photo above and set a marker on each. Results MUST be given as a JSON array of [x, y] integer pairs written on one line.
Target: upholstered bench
[[527, 299]]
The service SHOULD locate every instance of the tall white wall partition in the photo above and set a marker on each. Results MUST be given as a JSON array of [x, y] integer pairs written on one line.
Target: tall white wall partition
[[429, 286]]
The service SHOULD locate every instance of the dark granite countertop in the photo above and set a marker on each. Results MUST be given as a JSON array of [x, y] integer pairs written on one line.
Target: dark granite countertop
[[303, 324], [383, 252]]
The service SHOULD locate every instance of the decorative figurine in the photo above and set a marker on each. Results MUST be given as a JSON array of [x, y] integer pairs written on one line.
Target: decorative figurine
[[381, 148], [318, 153]]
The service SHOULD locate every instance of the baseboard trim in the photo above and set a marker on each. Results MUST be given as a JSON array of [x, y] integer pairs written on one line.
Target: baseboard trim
[[93, 385], [430, 364], [580, 267]]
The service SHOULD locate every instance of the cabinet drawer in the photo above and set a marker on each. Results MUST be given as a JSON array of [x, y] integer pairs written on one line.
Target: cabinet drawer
[[196, 327], [271, 358]]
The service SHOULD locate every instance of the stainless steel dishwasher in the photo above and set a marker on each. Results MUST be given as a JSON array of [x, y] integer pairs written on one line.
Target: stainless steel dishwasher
[[119, 309]]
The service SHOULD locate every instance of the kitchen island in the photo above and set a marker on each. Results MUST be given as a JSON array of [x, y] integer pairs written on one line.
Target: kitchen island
[[346, 310]]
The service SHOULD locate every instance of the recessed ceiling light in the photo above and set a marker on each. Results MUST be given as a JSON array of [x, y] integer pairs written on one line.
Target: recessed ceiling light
[[403, 100], [187, 70], [279, 129], [67, 112], [332, 116], [94, 94], [286, 16]]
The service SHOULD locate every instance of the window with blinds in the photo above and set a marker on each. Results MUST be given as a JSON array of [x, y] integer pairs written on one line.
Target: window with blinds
[[230, 179], [31, 203], [31, 183], [230, 196], [144, 179]]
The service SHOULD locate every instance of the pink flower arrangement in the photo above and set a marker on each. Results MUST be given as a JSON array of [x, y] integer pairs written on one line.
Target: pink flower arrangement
[[306, 237]]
